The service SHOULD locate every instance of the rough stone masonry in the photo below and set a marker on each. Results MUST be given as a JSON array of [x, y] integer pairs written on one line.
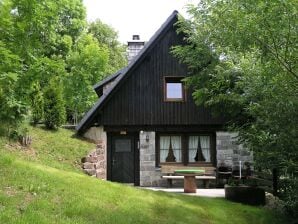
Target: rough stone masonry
[[94, 164]]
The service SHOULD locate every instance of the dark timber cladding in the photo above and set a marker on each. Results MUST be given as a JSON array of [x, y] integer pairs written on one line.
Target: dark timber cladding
[[136, 97], [140, 98]]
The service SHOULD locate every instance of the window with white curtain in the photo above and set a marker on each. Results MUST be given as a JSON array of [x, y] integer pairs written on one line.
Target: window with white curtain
[[199, 149], [164, 147]]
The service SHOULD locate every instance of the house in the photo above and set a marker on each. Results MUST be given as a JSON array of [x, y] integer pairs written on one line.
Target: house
[[145, 108]]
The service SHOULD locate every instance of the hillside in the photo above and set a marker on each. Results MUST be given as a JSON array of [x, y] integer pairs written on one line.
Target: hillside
[[59, 149], [45, 185]]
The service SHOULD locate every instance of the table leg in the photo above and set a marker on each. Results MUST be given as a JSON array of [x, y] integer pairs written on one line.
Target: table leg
[[190, 185]]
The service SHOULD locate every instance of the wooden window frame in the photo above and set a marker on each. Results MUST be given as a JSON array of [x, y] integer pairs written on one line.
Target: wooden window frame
[[184, 145], [174, 79], [158, 147]]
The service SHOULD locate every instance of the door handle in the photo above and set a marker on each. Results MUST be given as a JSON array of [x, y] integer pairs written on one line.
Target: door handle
[[113, 162]]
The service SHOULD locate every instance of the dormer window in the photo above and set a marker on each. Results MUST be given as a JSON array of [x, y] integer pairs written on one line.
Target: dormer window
[[174, 89]]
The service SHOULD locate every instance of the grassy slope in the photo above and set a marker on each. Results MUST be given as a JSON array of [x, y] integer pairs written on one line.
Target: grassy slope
[[32, 192], [59, 149]]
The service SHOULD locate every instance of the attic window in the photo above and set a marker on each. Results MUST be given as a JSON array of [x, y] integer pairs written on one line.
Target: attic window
[[174, 89]]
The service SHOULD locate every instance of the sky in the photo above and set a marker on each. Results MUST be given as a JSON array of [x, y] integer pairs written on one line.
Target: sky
[[128, 17]]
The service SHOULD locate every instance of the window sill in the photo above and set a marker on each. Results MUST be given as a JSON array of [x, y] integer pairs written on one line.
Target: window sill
[[174, 100]]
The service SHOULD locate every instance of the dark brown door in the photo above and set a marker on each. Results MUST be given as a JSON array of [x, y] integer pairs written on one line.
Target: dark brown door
[[122, 159]]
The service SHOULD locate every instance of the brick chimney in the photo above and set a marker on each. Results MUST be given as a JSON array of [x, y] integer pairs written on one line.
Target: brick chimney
[[134, 47]]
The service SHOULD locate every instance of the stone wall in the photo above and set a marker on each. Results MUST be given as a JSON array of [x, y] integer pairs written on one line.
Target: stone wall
[[229, 152], [149, 174], [94, 164], [96, 134]]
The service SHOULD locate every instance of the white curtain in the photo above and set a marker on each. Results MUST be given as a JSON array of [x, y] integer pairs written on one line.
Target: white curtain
[[205, 146], [176, 145], [192, 148], [177, 149], [164, 147]]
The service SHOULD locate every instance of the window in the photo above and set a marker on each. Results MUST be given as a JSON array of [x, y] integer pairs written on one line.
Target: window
[[122, 145], [174, 89], [170, 149], [197, 148]]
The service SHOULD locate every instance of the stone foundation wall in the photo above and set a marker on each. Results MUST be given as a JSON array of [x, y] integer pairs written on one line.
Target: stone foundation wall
[[229, 152], [227, 149], [95, 163], [96, 134]]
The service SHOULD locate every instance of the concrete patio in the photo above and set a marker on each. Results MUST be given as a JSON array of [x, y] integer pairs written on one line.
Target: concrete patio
[[212, 193]]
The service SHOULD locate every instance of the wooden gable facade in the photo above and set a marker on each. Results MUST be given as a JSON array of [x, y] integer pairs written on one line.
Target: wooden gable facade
[[137, 101]]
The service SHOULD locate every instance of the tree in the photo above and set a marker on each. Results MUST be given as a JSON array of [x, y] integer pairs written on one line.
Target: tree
[[54, 105], [243, 58], [41, 28], [86, 66], [37, 103], [41, 35], [106, 36], [12, 109], [49, 40]]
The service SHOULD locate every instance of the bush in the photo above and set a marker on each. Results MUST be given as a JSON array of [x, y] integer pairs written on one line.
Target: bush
[[54, 106], [20, 131], [37, 103], [245, 194], [288, 191], [12, 110]]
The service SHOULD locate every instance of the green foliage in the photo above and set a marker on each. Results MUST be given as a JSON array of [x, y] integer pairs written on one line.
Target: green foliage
[[45, 40], [106, 36], [54, 105], [12, 110], [243, 55], [86, 65], [289, 190], [39, 27], [43, 70], [37, 103], [37, 80]]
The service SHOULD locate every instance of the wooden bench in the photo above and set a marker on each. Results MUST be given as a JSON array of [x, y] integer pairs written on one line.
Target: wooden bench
[[168, 172]]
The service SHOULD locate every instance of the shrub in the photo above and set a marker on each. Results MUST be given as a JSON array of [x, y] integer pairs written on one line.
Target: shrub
[[288, 191], [54, 106], [37, 103]]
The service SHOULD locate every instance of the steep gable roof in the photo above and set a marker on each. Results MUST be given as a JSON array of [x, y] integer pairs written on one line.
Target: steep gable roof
[[97, 87], [121, 76]]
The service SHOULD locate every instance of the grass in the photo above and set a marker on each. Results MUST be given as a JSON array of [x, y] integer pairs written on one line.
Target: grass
[[59, 149], [41, 190]]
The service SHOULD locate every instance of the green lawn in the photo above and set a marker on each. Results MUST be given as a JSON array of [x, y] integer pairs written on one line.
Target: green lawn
[[50, 189], [59, 149]]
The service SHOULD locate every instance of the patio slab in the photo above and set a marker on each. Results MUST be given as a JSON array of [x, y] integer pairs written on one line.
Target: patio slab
[[212, 193]]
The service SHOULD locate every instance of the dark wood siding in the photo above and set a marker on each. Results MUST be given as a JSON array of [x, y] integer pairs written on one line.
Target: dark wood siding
[[140, 98]]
